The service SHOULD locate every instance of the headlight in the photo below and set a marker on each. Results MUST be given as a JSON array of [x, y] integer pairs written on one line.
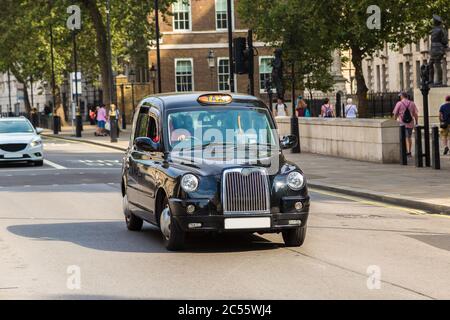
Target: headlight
[[189, 183], [295, 180], [35, 143]]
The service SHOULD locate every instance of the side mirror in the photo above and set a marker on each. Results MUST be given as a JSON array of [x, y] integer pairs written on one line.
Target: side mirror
[[39, 130], [288, 142], [146, 144]]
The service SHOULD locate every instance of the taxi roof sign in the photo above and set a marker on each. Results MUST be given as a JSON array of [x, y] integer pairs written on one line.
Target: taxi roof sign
[[216, 98]]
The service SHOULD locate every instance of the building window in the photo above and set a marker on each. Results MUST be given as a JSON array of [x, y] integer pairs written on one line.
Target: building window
[[223, 74], [221, 15], [370, 76], [378, 79], [418, 73], [383, 78], [402, 76], [184, 75], [408, 75], [181, 15], [265, 72]]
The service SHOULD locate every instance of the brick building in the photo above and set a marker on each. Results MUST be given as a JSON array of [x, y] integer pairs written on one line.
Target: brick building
[[194, 28]]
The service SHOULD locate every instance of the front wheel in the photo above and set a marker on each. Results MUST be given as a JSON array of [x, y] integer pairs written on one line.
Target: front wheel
[[39, 163], [173, 236], [133, 222], [294, 237]]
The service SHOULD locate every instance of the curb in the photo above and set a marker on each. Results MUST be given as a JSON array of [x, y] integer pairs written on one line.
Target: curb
[[380, 197], [85, 141]]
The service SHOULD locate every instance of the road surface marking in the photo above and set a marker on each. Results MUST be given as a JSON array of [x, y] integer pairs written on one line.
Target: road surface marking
[[370, 202], [54, 165]]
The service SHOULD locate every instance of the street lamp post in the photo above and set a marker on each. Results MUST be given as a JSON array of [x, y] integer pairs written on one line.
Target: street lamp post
[[52, 57], [211, 62], [153, 75], [425, 89], [158, 51], [230, 45], [132, 77], [294, 119], [9, 94]]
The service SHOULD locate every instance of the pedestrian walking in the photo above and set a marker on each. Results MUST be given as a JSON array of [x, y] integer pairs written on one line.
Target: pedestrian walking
[[280, 109], [92, 116], [301, 107], [327, 110], [351, 110], [101, 121], [444, 116], [407, 114]]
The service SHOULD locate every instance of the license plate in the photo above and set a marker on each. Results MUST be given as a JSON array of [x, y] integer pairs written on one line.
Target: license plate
[[247, 223], [13, 156]]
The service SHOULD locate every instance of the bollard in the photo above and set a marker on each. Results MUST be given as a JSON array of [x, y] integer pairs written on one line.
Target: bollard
[[78, 123], [435, 151], [403, 156], [295, 130], [419, 150], [56, 125]]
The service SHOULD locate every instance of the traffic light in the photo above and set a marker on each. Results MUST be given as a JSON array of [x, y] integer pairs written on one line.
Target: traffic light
[[240, 59]]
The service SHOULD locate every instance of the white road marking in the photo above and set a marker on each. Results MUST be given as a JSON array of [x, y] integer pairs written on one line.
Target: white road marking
[[54, 165]]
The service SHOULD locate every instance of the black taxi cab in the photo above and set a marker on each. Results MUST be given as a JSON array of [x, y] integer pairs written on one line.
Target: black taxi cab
[[211, 162]]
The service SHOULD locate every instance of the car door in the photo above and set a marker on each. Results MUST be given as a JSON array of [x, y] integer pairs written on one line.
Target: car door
[[147, 166], [134, 158]]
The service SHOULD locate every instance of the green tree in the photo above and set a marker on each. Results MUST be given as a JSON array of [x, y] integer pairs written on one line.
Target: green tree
[[401, 22], [300, 30]]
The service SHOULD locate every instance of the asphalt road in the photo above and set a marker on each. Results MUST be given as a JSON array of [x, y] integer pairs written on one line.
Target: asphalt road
[[62, 236]]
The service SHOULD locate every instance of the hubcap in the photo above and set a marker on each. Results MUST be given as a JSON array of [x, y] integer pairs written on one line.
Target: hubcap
[[165, 223]]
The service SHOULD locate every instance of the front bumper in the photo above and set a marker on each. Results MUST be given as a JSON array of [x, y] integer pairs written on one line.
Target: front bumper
[[207, 219], [27, 154]]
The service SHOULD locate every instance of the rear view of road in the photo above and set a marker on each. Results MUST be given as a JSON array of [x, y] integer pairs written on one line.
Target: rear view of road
[[62, 235]]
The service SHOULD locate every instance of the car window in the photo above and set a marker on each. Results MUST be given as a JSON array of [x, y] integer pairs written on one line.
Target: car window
[[142, 123], [15, 127]]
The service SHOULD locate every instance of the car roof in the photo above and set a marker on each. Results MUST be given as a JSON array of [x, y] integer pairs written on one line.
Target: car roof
[[183, 99], [14, 119]]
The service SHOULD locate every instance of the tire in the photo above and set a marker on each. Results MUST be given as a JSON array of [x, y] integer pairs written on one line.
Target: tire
[[173, 236], [133, 222], [39, 163], [294, 237]]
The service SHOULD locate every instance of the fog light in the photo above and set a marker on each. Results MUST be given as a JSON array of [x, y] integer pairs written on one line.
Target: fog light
[[298, 206], [190, 209], [295, 222], [194, 225]]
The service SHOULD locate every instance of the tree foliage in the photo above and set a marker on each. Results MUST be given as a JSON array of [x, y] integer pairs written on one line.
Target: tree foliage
[[25, 37]]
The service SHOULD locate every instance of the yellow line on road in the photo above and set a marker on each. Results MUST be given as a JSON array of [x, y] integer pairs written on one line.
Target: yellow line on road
[[377, 203]]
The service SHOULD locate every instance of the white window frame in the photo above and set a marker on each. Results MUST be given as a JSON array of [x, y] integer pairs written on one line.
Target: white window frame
[[259, 71], [218, 74], [190, 19], [232, 14], [191, 60]]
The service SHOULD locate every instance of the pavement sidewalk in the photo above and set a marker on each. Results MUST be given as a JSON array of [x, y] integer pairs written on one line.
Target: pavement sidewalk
[[424, 189], [88, 136]]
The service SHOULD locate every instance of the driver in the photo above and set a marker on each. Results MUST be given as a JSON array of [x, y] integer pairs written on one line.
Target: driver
[[179, 128]]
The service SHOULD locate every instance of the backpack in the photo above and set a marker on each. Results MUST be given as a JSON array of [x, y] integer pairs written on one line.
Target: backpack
[[407, 117], [307, 113], [328, 112]]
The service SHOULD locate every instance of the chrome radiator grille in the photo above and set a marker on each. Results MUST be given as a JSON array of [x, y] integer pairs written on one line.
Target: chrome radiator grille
[[246, 191]]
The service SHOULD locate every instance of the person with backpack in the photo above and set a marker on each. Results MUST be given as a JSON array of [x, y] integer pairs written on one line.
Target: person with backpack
[[351, 110], [281, 109], [444, 117], [407, 114], [327, 110]]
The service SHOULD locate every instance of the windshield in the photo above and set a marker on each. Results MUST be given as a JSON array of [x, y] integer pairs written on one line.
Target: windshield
[[225, 127], [15, 127]]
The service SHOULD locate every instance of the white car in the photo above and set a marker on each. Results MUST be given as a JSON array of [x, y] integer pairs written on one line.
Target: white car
[[20, 141]]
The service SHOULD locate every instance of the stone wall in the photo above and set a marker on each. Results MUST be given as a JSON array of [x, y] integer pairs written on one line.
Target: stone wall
[[373, 140]]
